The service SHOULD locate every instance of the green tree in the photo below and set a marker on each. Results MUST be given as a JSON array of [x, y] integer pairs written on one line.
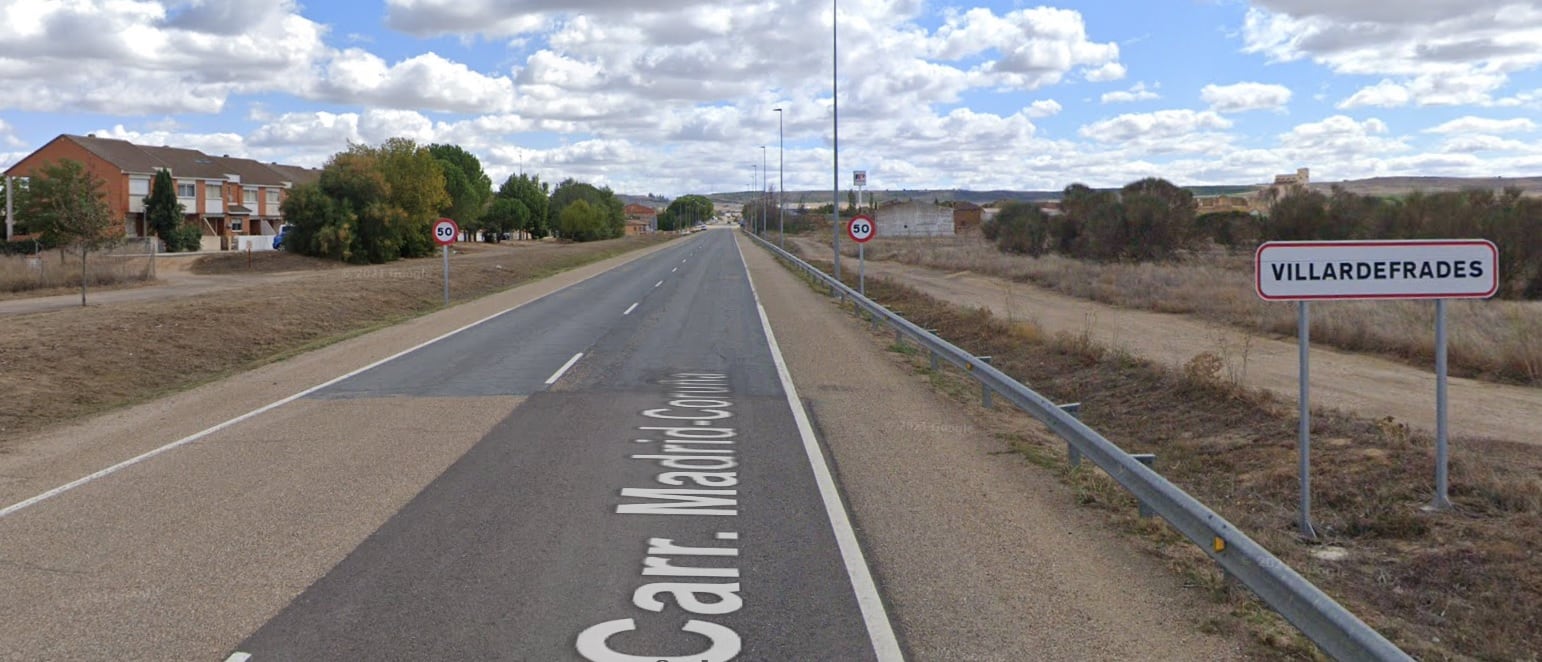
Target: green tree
[[67, 203], [601, 201], [506, 215], [1020, 228], [581, 221], [468, 186], [529, 189], [1158, 219], [1297, 215], [165, 214], [684, 212]]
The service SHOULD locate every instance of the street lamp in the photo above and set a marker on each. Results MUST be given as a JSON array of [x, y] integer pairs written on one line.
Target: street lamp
[[835, 136], [763, 178], [781, 180]]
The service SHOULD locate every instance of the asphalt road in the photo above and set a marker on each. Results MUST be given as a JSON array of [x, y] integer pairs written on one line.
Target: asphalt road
[[611, 464]]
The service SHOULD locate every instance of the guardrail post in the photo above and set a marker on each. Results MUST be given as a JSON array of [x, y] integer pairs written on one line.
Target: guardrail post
[[1147, 459], [1073, 456], [985, 389], [934, 361]]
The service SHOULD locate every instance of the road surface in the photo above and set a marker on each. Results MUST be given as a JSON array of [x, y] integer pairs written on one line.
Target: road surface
[[613, 465]]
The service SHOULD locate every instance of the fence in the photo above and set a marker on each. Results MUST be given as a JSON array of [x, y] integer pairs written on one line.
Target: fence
[[1323, 620], [124, 262]]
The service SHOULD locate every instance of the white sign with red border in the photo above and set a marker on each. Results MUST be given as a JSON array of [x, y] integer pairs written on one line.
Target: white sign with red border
[[446, 232], [1379, 269], [861, 228]]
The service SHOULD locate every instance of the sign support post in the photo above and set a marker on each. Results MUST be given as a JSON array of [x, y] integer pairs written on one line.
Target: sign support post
[[1442, 269], [861, 229], [446, 232], [1304, 426], [1442, 434]]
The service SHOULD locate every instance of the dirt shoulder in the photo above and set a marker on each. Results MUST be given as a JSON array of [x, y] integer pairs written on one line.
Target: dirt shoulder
[[58, 364], [1367, 386], [980, 559]]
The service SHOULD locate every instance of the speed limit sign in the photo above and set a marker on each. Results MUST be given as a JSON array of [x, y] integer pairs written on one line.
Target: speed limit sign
[[446, 232], [861, 229]]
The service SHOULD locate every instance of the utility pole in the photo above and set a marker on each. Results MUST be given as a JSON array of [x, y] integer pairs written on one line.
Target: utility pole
[[763, 184]]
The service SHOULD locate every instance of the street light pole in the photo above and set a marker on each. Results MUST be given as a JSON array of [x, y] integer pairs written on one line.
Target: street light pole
[[781, 181], [763, 179], [835, 136]]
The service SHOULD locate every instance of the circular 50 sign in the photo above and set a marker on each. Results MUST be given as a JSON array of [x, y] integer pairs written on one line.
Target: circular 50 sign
[[861, 229], [446, 232]]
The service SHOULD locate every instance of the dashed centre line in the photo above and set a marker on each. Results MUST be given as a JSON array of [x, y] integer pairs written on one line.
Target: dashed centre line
[[658, 283], [565, 367], [629, 310]]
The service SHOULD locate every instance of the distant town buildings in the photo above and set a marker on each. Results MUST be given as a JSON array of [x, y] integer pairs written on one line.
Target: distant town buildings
[[228, 197]]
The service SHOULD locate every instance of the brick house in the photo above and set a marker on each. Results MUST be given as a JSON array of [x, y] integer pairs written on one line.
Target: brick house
[[640, 219], [225, 196], [966, 215]]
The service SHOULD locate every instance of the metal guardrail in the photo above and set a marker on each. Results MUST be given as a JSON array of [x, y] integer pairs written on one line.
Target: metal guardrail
[[1327, 623]]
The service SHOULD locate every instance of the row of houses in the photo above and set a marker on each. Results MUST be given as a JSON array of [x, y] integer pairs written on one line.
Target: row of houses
[[229, 197]]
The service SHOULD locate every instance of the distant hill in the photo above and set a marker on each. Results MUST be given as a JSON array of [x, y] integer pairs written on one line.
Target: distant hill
[[1392, 186], [1378, 186]]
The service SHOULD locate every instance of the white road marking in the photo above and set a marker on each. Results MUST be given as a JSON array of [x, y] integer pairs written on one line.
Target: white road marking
[[238, 656], [22, 505], [558, 374], [674, 269], [629, 310], [658, 283], [879, 630]]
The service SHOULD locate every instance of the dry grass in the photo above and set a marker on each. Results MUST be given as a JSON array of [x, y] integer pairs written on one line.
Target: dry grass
[[51, 271], [1497, 340], [1461, 585], [61, 365]]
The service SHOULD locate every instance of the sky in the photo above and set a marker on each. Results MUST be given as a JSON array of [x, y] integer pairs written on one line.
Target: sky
[[677, 96]]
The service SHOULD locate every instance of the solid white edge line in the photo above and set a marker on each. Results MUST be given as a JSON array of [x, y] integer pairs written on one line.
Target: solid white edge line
[[20, 505], [565, 367], [880, 631], [238, 656], [629, 310]]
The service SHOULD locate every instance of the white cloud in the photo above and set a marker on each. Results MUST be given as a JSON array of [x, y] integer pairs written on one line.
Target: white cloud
[[1137, 92], [1036, 47], [1160, 124], [123, 57], [1043, 108], [1471, 144], [1470, 124], [1241, 97], [1434, 52], [426, 81], [1431, 90], [1340, 140]]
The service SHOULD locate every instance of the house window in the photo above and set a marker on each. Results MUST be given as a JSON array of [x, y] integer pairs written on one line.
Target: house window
[[186, 190], [250, 195], [211, 192], [272, 196], [139, 186], [235, 225]]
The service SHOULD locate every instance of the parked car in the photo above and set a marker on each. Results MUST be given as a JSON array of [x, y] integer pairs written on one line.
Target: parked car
[[278, 239]]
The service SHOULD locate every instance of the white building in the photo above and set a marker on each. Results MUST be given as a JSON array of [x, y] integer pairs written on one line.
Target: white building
[[914, 219]]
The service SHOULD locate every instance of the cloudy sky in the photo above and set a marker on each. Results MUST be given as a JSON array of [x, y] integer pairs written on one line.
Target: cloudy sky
[[676, 96]]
